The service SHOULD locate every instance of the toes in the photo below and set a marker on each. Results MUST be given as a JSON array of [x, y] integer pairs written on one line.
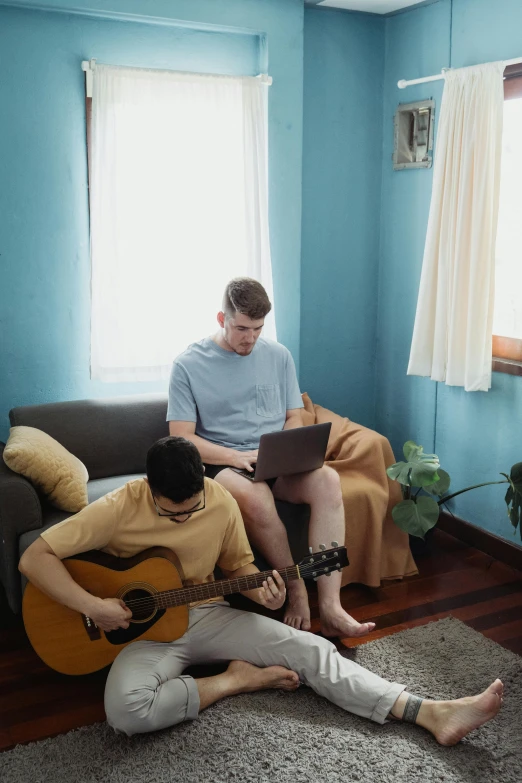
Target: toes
[[364, 629], [298, 623]]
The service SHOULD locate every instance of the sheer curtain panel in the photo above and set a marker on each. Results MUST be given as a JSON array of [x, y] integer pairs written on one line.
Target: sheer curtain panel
[[179, 206], [452, 336]]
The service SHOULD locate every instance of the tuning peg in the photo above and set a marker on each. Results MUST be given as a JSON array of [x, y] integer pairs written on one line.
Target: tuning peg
[[322, 547], [335, 543]]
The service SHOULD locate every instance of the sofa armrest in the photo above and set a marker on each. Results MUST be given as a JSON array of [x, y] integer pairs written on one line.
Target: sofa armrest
[[20, 511]]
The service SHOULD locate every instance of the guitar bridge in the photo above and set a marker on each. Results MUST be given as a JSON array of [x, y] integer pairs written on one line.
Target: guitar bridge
[[93, 632]]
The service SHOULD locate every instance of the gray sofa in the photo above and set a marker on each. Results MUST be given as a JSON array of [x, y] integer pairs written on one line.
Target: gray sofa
[[111, 437]]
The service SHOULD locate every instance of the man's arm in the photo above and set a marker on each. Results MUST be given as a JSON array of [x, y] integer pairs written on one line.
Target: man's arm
[[293, 419], [211, 452], [273, 592], [47, 572]]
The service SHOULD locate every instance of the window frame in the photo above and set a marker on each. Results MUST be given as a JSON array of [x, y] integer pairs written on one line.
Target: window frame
[[507, 351]]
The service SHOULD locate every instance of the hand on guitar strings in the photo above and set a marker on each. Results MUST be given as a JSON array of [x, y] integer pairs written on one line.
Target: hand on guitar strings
[[273, 592], [110, 614]]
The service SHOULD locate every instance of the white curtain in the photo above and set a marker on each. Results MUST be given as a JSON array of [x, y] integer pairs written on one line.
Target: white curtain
[[452, 336], [179, 206]]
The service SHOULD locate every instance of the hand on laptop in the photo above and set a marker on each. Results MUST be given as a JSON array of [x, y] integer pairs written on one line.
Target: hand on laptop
[[244, 459]]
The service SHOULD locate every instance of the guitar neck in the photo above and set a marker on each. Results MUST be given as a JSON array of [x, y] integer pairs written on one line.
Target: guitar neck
[[186, 595]]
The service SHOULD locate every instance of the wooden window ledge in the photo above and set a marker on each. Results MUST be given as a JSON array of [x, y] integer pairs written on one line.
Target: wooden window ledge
[[509, 366]]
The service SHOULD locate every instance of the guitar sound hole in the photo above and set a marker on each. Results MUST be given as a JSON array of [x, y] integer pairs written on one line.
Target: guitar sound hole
[[143, 609]]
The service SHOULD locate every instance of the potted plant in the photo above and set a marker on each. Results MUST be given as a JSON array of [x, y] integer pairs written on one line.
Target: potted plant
[[422, 481]]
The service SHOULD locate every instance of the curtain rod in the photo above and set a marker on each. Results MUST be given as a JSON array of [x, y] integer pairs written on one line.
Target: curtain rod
[[442, 75], [90, 65]]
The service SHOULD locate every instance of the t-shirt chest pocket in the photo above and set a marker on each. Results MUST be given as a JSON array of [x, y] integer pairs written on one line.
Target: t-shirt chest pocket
[[268, 400]]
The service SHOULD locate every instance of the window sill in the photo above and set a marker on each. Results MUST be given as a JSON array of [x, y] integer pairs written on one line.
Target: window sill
[[509, 366], [507, 355]]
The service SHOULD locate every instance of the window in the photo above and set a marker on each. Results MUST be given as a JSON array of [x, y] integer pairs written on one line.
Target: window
[[507, 324], [178, 206]]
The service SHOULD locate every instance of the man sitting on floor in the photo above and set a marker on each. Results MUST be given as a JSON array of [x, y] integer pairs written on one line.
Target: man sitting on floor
[[225, 392], [177, 507]]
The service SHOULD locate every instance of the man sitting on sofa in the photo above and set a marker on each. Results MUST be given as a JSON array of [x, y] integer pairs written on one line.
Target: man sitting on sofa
[[225, 392], [176, 507]]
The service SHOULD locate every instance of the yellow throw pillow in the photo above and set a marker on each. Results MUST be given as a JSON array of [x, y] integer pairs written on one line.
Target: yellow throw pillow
[[47, 464]]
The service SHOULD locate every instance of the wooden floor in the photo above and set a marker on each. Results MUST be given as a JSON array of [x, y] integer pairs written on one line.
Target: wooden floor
[[454, 579]]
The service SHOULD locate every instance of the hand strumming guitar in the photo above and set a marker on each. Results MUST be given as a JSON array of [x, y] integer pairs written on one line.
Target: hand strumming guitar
[[110, 614]]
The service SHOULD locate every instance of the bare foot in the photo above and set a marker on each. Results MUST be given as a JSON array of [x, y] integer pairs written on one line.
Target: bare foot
[[450, 721], [246, 678], [297, 612], [339, 623]]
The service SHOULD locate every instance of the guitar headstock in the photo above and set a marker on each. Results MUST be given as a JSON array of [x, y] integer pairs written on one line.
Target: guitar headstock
[[325, 561]]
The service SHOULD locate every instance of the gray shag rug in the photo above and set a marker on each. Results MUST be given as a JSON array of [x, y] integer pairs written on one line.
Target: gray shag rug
[[277, 737]]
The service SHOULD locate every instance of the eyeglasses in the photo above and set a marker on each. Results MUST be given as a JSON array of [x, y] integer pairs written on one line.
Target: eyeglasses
[[162, 512]]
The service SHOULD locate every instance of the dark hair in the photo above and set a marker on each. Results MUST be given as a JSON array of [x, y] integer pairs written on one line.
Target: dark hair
[[174, 469], [246, 296]]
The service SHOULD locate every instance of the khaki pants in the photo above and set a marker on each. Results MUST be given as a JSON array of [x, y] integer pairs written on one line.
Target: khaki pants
[[146, 689]]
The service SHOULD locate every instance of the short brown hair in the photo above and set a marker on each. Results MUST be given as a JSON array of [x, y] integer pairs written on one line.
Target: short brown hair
[[246, 296]]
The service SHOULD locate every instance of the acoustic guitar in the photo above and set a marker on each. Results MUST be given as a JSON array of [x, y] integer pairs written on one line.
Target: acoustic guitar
[[151, 585]]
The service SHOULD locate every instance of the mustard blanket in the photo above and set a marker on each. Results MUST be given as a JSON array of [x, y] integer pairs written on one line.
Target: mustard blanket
[[377, 548]]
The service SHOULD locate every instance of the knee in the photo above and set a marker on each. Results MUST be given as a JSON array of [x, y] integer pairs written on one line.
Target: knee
[[129, 705], [128, 713], [328, 486], [119, 721]]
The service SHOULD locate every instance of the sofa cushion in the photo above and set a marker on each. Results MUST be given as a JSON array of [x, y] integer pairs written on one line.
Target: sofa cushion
[[96, 489], [60, 475]]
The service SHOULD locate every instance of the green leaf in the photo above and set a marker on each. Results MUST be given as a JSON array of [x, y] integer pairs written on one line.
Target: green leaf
[[441, 486], [416, 518], [514, 496], [410, 449], [420, 470]]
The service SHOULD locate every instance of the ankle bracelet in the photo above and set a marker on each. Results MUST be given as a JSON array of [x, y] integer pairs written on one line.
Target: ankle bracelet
[[411, 709]]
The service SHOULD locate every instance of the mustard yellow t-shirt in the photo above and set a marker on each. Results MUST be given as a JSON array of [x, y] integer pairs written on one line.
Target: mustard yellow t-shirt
[[125, 522]]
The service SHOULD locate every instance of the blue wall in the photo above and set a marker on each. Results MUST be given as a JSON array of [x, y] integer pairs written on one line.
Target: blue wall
[[342, 159], [479, 434], [347, 312], [44, 255]]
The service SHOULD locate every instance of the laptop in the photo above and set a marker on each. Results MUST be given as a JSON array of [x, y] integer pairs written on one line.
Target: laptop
[[287, 452]]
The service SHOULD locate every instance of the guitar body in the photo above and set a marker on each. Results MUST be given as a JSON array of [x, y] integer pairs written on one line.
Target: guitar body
[[71, 643], [151, 585]]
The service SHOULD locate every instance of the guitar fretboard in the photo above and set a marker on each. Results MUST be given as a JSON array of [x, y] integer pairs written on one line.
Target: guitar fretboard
[[188, 595]]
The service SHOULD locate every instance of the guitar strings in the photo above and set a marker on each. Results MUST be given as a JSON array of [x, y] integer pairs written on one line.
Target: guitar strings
[[208, 590], [194, 590], [202, 590], [214, 589]]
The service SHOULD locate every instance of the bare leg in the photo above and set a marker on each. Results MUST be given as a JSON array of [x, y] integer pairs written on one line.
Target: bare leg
[[268, 534], [242, 677], [451, 721], [322, 490]]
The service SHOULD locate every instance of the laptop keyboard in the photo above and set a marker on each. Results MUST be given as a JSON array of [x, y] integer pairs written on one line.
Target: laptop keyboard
[[246, 473]]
